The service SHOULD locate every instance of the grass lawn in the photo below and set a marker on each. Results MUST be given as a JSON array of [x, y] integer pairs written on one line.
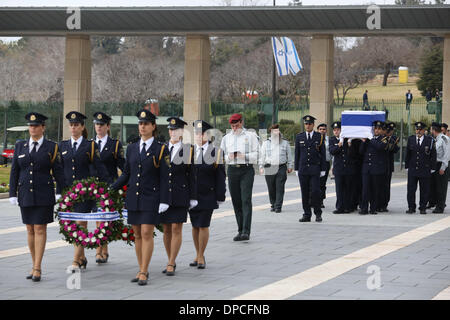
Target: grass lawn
[[393, 90], [4, 174]]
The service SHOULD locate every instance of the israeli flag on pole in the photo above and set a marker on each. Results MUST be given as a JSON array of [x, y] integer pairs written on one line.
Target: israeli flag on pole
[[295, 64], [286, 56], [358, 124], [281, 60]]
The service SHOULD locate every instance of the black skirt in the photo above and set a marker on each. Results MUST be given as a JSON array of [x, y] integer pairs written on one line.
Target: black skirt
[[37, 215], [200, 218], [143, 217], [174, 215]]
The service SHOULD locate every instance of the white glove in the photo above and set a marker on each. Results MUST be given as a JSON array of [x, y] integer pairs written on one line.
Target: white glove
[[163, 207], [433, 171], [192, 204], [322, 173], [296, 173], [219, 203], [57, 197], [13, 201]]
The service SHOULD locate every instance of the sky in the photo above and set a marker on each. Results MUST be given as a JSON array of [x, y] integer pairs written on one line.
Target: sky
[[157, 3]]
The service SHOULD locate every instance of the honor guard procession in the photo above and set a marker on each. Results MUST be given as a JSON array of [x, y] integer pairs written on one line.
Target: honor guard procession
[[212, 158]]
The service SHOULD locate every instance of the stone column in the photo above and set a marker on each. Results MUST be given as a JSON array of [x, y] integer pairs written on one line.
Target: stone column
[[322, 79], [77, 76], [196, 79], [446, 82]]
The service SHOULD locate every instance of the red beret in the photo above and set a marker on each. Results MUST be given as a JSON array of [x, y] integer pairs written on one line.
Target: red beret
[[235, 117]]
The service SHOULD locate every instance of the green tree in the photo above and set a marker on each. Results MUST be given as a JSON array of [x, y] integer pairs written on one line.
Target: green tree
[[431, 70]]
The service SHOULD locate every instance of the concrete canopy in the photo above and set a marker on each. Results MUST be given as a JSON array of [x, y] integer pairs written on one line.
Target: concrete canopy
[[431, 20]]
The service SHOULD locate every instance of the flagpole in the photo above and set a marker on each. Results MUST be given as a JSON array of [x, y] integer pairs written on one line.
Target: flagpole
[[274, 89]]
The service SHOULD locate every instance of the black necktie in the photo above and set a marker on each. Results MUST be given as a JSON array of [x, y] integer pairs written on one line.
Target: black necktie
[[171, 149], [35, 147], [143, 152], [418, 141], [100, 145], [74, 149], [309, 137]]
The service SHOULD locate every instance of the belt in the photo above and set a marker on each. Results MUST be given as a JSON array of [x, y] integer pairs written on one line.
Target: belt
[[244, 165]]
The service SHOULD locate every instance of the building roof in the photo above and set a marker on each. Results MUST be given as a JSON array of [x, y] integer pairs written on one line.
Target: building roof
[[285, 20]]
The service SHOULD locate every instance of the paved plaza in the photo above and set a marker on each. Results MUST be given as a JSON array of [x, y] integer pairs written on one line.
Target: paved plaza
[[386, 256]]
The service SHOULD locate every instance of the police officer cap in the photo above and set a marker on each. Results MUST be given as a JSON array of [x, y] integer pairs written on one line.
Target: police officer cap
[[75, 116], [34, 118], [176, 123], [444, 125], [145, 116], [336, 124], [420, 125], [101, 118], [378, 124], [201, 125], [322, 125], [308, 119], [390, 126], [436, 126]]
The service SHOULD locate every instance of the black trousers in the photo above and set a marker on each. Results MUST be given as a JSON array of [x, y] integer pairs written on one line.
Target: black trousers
[[275, 185], [344, 191], [424, 184], [323, 183], [438, 188], [310, 185], [372, 185]]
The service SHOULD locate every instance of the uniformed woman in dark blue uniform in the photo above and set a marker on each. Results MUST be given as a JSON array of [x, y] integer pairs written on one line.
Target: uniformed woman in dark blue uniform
[[81, 160], [210, 188], [145, 174], [111, 154], [32, 188], [181, 194]]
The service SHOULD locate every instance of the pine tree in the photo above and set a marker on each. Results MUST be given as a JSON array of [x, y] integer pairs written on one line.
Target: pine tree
[[431, 70]]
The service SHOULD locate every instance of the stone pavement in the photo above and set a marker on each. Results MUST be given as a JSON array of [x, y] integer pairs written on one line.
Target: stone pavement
[[279, 247]]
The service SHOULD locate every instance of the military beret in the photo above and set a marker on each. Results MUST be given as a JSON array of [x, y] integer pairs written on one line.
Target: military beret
[[176, 123], [75, 116], [35, 118], [235, 118]]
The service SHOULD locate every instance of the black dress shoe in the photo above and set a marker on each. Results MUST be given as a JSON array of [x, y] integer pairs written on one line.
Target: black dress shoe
[[423, 211], [411, 211], [304, 219], [30, 276], [170, 273], [272, 209], [245, 237], [135, 279], [348, 211], [202, 265], [373, 212], [383, 210], [174, 267], [143, 282], [193, 264], [37, 278], [237, 237], [338, 211], [319, 219], [430, 206], [363, 212], [277, 210]]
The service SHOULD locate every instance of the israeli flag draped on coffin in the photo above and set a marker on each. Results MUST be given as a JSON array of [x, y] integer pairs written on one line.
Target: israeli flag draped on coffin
[[358, 124]]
